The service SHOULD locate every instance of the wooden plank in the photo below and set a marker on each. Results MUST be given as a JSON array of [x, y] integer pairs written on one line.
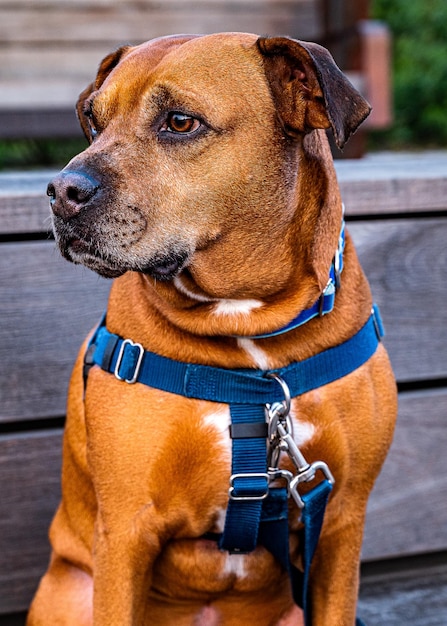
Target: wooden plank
[[29, 487], [411, 591], [24, 205], [107, 6], [41, 23], [42, 123], [168, 5], [47, 306], [406, 263], [394, 183], [55, 47], [48, 77], [407, 512]]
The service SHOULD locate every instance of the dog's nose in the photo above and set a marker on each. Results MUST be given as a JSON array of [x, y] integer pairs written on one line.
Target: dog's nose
[[70, 192]]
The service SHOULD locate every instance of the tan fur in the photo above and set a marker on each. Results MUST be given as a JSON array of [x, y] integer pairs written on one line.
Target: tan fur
[[254, 205]]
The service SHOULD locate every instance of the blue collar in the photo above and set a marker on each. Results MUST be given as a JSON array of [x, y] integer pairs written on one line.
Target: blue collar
[[325, 302]]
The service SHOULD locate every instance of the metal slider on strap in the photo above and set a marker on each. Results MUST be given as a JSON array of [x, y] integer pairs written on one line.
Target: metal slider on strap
[[130, 377], [261, 496]]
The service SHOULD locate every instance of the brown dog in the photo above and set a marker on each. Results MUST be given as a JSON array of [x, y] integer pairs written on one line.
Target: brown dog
[[209, 192]]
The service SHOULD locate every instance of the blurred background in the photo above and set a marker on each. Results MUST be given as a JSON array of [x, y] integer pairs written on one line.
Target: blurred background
[[394, 51]]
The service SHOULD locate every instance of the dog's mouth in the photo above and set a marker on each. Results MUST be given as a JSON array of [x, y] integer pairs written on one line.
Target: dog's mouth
[[85, 253], [163, 267]]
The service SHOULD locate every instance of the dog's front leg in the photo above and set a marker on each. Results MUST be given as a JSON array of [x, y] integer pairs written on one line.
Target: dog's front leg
[[335, 572], [123, 561]]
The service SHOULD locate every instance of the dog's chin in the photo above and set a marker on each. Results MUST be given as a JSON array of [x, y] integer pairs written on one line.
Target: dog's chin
[[81, 253], [162, 268]]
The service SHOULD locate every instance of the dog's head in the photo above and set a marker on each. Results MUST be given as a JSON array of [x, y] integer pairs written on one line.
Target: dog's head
[[193, 157]]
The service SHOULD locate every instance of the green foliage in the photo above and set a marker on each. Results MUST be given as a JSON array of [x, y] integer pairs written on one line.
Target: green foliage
[[38, 152], [419, 29]]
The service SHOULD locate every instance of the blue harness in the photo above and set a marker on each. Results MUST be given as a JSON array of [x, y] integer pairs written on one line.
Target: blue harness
[[259, 401]]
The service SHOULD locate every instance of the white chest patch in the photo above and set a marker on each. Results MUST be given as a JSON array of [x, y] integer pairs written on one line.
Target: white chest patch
[[233, 307], [235, 564], [220, 420], [257, 355], [303, 432]]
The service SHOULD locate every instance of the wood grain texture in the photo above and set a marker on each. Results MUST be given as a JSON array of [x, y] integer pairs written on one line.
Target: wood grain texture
[[416, 594], [406, 262], [388, 183], [407, 513], [29, 487], [50, 23], [47, 306], [24, 205], [55, 47]]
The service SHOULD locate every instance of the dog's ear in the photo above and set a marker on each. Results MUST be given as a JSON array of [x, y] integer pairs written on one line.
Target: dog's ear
[[310, 90], [106, 66]]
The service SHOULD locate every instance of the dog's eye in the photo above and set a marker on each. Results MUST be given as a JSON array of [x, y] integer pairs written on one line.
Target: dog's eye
[[181, 123], [91, 124], [88, 113], [93, 130]]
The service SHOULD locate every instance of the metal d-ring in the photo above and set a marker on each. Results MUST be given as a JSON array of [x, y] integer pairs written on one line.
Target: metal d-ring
[[278, 413], [287, 402]]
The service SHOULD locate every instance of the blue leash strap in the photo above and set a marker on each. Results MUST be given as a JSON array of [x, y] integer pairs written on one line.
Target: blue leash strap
[[312, 515], [274, 536]]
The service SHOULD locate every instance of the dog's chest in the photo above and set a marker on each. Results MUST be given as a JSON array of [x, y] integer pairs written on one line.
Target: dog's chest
[[150, 442]]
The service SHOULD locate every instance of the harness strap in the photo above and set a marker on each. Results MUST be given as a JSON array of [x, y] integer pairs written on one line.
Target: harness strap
[[259, 510], [249, 482], [129, 361]]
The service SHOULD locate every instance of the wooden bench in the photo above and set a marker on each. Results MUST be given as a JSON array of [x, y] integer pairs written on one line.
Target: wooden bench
[[397, 213], [51, 48]]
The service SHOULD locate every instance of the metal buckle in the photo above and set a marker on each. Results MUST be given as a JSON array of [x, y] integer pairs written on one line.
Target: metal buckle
[[337, 269], [280, 409], [276, 474], [306, 475], [276, 412], [377, 323], [248, 476], [329, 290], [281, 439], [133, 379]]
